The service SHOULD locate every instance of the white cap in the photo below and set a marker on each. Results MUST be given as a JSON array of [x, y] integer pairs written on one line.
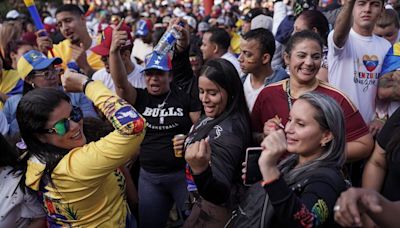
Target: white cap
[[262, 21], [178, 12], [49, 20], [145, 14], [203, 26], [191, 21], [164, 3], [166, 19], [12, 14]]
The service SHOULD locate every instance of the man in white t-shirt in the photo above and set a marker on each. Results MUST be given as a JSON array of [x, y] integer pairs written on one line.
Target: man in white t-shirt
[[257, 49], [135, 77], [215, 44], [355, 56]]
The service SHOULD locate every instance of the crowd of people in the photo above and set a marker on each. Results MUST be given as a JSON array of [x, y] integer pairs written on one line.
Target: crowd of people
[[147, 114]]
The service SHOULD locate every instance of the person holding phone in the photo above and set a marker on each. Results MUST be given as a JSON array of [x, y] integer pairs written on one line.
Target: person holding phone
[[303, 188], [216, 144]]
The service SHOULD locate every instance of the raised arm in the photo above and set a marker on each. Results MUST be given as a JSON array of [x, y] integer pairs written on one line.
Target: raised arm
[[183, 76], [96, 159], [123, 88], [343, 23]]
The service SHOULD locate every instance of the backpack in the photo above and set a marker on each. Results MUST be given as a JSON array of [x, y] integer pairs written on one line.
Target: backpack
[[255, 210]]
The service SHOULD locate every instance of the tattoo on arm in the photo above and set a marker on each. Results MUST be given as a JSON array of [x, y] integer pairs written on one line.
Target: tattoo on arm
[[388, 82]]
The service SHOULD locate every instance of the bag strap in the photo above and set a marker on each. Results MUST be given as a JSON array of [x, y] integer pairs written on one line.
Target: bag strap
[[267, 212]]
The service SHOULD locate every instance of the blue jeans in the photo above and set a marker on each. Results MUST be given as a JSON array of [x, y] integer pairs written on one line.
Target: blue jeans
[[157, 193]]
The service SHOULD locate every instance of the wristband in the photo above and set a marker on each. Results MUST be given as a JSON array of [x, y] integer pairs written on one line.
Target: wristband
[[263, 183], [89, 80]]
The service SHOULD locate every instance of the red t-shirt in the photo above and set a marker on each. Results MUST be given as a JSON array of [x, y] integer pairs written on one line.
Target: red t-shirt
[[272, 101]]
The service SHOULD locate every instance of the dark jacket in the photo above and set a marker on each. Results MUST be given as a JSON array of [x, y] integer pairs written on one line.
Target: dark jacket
[[220, 183], [307, 204]]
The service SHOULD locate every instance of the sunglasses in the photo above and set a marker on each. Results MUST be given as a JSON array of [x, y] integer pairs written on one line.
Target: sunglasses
[[48, 74], [61, 127]]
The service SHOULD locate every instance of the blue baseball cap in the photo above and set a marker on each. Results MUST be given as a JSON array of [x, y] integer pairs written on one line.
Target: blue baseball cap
[[143, 28], [158, 62], [34, 60]]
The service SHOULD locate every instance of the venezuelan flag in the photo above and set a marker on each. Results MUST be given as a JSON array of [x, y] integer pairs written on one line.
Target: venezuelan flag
[[392, 59]]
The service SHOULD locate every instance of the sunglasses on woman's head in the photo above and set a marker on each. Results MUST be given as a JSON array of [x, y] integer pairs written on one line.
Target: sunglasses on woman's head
[[61, 127]]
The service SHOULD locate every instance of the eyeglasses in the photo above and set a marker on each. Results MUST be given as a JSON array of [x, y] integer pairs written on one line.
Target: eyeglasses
[[62, 126], [48, 74]]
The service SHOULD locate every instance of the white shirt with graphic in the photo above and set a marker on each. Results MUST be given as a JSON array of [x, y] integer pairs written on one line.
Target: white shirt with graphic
[[355, 69]]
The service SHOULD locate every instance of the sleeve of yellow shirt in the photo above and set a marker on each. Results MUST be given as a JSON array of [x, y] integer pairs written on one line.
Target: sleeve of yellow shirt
[[97, 159], [64, 51]]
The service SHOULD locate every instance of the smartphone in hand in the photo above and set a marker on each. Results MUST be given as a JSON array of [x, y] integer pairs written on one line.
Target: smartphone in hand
[[253, 173]]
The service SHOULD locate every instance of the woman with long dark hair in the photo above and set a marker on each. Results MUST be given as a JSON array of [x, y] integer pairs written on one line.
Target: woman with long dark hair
[[79, 182], [215, 147]]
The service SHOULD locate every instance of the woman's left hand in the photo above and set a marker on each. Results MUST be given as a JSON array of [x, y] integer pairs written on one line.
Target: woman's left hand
[[274, 146], [198, 156], [72, 81]]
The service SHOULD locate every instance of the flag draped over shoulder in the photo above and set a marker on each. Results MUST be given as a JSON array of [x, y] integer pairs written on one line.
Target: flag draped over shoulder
[[392, 59]]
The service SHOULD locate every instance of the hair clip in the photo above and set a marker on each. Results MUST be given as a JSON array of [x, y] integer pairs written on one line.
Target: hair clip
[[21, 145]]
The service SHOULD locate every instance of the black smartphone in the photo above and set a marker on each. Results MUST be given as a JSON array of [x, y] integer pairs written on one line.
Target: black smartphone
[[253, 173]]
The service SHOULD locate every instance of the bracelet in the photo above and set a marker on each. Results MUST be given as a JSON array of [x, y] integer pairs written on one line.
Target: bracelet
[[89, 80], [263, 183]]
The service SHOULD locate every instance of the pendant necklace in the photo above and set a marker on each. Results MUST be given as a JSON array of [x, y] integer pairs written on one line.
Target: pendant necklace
[[161, 106], [289, 97]]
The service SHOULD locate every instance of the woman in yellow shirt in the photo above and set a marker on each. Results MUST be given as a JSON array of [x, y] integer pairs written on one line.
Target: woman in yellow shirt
[[79, 183]]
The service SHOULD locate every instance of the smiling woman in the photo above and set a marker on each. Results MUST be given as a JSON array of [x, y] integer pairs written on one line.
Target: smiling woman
[[303, 57], [304, 187], [215, 146], [79, 183]]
